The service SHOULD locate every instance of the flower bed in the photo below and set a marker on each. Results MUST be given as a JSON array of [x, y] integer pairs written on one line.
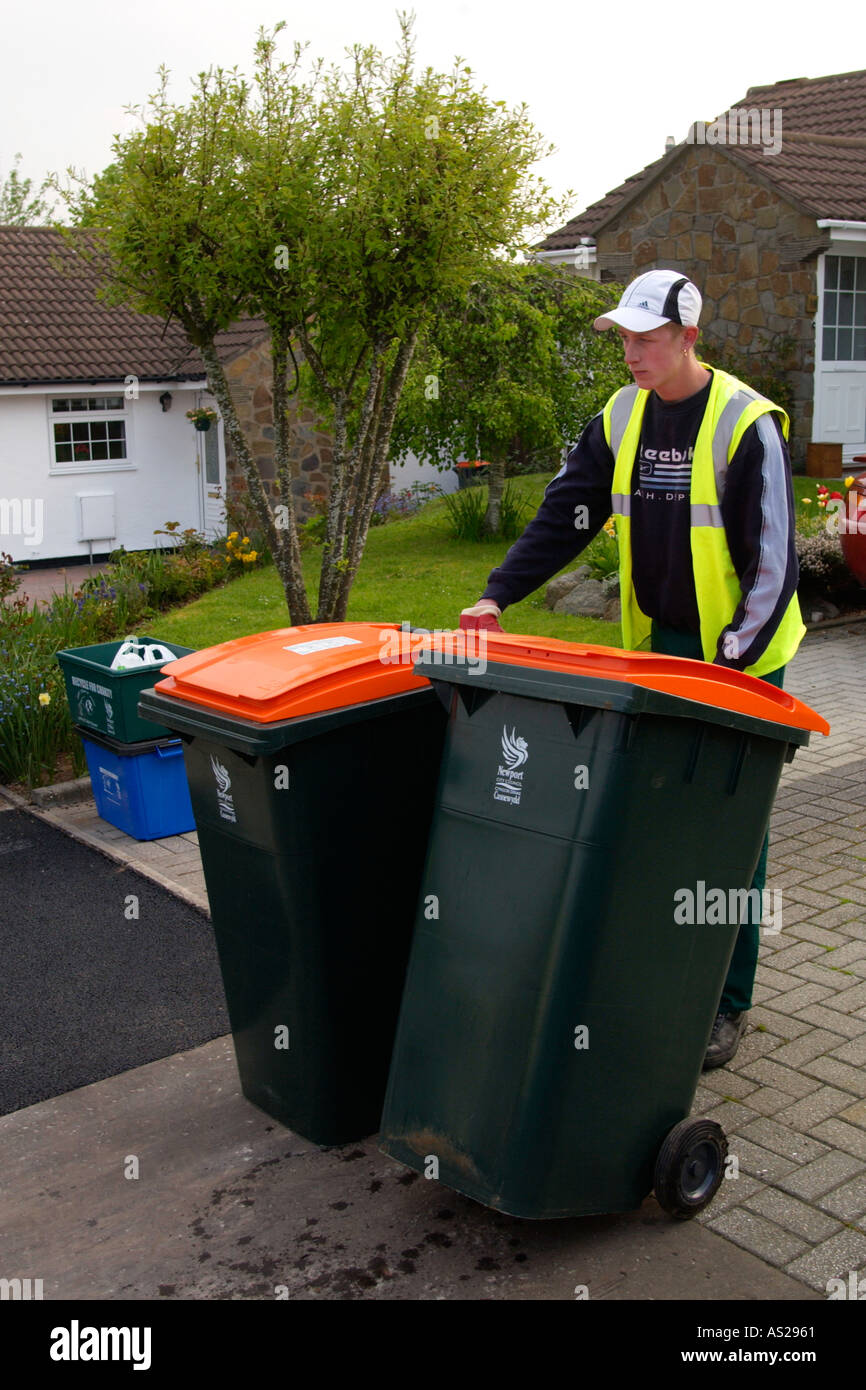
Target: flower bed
[[37, 740], [827, 587]]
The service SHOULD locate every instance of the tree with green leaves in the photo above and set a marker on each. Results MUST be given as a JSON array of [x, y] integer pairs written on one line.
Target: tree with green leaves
[[509, 369], [17, 207], [340, 206]]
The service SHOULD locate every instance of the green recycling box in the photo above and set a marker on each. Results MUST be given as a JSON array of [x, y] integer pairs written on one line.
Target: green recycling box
[[107, 700], [312, 754], [599, 817]]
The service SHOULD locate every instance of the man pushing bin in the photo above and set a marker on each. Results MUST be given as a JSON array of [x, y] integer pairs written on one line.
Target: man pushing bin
[[694, 466]]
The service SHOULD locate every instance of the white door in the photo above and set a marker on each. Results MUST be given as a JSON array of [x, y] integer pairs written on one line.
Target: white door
[[212, 475], [840, 366]]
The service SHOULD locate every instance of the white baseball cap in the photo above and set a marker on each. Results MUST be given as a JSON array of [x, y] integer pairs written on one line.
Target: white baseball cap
[[657, 297]]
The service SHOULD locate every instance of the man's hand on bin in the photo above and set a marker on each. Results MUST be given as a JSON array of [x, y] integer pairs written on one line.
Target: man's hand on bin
[[484, 614]]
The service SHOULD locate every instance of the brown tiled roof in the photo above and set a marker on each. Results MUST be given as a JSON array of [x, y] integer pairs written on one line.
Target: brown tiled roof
[[54, 328], [834, 105], [821, 164], [824, 174]]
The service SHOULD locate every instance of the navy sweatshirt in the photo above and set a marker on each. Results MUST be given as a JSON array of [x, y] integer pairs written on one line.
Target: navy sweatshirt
[[757, 506]]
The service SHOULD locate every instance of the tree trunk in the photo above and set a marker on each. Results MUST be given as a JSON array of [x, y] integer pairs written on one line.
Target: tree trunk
[[496, 483], [296, 598], [380, 441], [348, 483], [286, 525]]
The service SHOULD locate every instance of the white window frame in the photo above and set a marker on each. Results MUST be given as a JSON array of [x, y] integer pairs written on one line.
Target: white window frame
[[126, 465], [843, 364]]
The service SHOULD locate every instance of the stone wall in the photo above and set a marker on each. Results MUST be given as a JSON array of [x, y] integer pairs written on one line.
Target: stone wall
[[752, 255], [249, 377]]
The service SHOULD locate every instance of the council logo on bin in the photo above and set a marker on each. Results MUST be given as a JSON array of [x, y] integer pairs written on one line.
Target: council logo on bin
[[223, 781], [509, 781]]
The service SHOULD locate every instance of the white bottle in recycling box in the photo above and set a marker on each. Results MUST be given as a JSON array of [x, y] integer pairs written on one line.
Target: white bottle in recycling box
[[133, 653]]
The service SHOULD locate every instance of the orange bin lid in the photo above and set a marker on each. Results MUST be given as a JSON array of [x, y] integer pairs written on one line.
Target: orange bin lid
[[292, 671], [698, 681]]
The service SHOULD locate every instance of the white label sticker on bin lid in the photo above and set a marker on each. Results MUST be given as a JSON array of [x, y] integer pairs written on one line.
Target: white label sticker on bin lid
[[321, 643]]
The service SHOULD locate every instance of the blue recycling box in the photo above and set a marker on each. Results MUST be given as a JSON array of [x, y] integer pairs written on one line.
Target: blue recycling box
[[139, 787]]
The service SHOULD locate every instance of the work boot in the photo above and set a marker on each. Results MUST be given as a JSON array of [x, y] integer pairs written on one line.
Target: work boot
[[724, 1039]]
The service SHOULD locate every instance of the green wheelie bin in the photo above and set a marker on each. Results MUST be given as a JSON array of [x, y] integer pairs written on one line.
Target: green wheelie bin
[[599, 817], [312, 754]]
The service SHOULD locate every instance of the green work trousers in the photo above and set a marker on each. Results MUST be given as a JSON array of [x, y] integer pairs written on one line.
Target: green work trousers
[[737, 993]]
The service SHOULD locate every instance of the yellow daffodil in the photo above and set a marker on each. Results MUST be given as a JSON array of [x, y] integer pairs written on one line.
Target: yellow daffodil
[[807, 501], [245, 541], [849, 481], [233, 535], [44, 698]]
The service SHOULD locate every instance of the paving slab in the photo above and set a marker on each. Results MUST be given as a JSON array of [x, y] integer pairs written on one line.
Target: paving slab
[[165, 1183]]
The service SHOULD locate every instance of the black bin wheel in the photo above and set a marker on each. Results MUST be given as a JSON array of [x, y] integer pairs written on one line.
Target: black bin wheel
[[690, 1167]]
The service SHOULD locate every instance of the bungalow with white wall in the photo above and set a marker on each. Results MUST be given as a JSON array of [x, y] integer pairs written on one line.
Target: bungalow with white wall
[[96, 450]]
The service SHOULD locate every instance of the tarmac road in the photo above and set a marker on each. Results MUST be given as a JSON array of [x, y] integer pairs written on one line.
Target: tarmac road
[[103, 970]]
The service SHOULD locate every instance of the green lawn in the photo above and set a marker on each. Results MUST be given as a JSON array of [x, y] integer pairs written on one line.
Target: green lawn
[[413, 570]]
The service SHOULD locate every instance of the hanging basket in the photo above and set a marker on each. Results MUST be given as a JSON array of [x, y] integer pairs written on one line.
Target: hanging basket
[[202, 419]]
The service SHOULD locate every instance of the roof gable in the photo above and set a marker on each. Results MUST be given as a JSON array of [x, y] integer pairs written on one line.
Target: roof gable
[[820, 165]]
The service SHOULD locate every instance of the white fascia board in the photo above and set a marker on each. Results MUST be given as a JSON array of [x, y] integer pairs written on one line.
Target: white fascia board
[[104, 388], [568, 255], [843, 230]]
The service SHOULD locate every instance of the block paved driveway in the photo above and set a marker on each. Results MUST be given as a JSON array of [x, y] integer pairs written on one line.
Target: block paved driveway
[[793, 1102]]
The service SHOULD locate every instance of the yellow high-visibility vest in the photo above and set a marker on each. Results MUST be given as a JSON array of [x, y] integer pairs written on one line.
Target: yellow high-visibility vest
[[731, 408]]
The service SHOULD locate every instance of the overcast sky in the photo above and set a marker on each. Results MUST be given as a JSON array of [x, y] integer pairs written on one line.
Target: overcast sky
[[605, 83]]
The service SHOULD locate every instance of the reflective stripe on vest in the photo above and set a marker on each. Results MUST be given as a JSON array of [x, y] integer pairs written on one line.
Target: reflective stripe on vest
[[731, 408]]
